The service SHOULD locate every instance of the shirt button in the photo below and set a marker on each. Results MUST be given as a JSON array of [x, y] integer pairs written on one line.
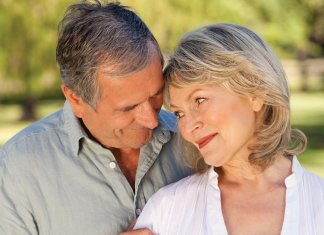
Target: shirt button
[[138, 211], [112, 165]]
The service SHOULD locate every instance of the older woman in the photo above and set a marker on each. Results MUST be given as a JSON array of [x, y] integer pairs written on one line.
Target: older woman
[[230, 95]]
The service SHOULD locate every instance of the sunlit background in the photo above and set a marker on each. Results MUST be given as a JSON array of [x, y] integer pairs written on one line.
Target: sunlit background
[[30, 83]]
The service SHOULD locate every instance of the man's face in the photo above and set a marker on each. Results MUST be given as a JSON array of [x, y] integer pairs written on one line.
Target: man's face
[[127, 110]]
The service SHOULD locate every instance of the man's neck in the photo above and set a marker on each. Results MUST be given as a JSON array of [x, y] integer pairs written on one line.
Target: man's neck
[[127, 160]]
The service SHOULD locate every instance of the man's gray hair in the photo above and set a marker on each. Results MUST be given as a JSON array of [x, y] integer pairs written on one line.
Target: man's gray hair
[[92, 35]]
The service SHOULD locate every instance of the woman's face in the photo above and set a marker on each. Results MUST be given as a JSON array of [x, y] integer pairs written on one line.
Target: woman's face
[[218, 122]]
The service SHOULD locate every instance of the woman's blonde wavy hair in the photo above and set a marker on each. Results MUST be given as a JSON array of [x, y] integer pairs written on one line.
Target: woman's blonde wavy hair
[[237, 58]]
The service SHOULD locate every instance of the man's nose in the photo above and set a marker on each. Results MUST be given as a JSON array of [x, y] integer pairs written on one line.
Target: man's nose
[[146, 115]]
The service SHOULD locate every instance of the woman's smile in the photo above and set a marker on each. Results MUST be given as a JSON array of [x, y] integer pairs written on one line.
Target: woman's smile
[[205, 140]]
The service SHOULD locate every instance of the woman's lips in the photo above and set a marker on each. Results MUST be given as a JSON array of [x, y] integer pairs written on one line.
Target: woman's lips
[[205, 140]]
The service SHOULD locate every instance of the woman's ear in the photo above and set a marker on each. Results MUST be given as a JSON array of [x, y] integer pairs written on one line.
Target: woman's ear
[[75, 101], [256, 103]]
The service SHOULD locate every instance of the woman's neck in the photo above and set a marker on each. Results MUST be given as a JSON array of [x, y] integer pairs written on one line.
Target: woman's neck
[[242, 173]]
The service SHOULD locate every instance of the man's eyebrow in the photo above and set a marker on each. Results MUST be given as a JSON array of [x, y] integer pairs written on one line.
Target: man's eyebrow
[[130, 107], [134, 105]]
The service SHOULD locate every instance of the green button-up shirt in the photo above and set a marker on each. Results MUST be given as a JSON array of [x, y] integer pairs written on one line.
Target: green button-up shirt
[[56, 180]]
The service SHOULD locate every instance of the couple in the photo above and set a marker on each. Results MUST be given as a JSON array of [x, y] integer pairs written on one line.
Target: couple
[[91, 167]]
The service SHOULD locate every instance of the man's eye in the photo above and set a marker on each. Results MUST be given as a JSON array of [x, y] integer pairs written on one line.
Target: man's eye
[[160, 92], [130, 108], [200, 100], [178, 115]]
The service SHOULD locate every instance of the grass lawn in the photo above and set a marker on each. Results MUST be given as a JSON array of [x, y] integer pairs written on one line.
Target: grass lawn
[[11, 113], [307, 115]]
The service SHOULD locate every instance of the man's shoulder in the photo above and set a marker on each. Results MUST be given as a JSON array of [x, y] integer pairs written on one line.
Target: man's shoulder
[[168, 120], [35, 146], [35, 134]]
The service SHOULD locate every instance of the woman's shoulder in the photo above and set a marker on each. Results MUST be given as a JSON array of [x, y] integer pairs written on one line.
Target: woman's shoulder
[[306, 177], [188, 183], [167, 208], [310, 185], [187, 187], [313, 180]]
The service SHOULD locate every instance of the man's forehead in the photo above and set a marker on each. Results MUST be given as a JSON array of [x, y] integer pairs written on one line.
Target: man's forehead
[[130, 90]]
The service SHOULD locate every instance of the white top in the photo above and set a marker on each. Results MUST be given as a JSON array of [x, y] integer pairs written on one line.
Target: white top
[[189, 206]]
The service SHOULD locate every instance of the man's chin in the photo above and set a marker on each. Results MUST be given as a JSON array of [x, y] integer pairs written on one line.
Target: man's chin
[[147, 137], [143, 139]]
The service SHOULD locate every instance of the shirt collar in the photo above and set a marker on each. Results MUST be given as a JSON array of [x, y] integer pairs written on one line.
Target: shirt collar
[[74, 128], [212, 177], [296, 175], [167, 125]]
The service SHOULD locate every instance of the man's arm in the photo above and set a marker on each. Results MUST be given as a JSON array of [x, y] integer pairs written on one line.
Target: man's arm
[[142, 231], [15, 218]]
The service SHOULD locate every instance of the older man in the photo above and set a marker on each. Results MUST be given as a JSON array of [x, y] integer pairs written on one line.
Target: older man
[[91, 167]]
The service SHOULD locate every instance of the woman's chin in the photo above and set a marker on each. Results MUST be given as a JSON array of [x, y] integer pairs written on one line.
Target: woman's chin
[[212, 161]]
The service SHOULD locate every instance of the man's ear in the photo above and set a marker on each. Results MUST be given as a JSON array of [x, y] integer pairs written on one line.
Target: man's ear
[[256, 103], [75, 101]]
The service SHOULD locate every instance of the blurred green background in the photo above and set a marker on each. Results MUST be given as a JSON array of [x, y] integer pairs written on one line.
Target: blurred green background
[[30, 82]]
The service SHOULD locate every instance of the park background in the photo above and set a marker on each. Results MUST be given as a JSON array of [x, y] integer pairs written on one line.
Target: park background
[[30, 82]]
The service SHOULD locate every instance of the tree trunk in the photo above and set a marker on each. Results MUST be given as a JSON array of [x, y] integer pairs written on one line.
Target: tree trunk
[[302, 58], [28, 105]]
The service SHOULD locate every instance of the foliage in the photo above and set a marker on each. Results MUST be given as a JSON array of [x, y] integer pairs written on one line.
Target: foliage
[[288, 25], [28, 32], [27, 46], [308, 116], [28, 41]]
